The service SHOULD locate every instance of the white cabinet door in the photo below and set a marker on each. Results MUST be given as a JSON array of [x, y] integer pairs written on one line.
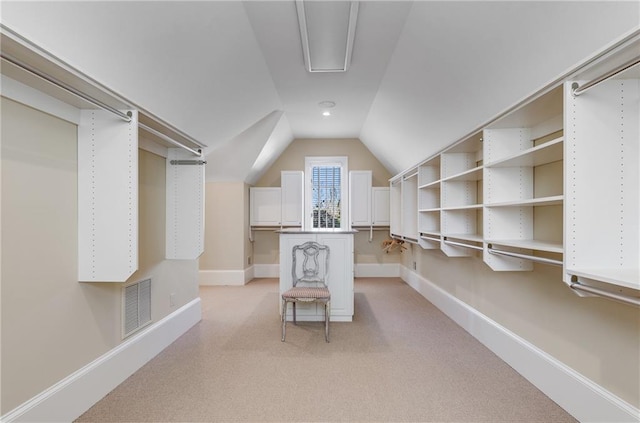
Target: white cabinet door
[[265, 206], [340, 280], [380, 207], [360, 197], [292, 197]]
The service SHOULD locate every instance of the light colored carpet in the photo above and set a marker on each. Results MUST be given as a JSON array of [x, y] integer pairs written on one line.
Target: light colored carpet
[[401, 359]]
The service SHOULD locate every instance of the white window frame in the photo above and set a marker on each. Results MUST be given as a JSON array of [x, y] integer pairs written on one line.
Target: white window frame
[[314, 161]]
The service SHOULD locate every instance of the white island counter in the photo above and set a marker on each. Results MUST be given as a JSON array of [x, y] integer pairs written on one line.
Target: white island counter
[[340, 281]]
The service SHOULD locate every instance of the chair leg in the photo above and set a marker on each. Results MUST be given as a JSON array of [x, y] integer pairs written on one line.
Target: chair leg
[[284, 319], [294, 313], [327, 312]]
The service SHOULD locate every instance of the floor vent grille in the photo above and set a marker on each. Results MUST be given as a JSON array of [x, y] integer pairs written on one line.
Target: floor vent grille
[[136, 305]]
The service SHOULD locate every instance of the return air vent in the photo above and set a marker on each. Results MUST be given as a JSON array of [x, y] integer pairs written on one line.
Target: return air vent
[[136, 306]]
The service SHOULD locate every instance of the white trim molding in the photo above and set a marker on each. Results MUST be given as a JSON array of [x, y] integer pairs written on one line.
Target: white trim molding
[[377, 270], [579, 396], [266, 270], [72, 396], [225, 277]]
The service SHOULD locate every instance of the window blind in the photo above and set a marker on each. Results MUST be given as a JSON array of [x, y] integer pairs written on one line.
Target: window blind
[[326, 196]]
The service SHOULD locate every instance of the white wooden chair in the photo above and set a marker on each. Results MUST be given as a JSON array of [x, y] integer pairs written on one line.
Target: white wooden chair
[[309, 271]]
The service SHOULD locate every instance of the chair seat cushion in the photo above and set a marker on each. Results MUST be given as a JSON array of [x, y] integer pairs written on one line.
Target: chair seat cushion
[[307, 293]]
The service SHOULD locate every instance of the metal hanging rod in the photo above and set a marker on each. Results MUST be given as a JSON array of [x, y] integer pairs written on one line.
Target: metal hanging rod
[[581, 89], [460, 244], [430, 238], [524, 256], [126, 116], [169, 140], [50, 79], [410, 176], [188, 162], [603, 293]]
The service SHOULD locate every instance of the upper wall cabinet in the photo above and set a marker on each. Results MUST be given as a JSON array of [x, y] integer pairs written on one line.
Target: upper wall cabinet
[[360, 197], [602, 233], [107, 197], [278, 206], [368, 205], [265, 206], [292, 199], [380, 210]]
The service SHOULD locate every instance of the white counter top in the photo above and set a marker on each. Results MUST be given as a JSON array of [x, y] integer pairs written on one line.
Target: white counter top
[[316, 231]]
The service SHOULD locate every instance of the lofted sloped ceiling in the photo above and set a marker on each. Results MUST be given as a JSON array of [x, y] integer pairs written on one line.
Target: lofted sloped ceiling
[[231, 74]]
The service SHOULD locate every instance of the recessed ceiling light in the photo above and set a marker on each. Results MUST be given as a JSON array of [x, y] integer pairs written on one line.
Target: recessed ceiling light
[[326, 113], [327, 104]]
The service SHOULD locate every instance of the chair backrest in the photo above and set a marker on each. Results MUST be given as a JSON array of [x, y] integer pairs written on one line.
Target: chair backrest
[[310, 264]]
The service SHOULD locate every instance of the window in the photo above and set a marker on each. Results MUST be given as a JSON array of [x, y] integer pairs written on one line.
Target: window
[[326, 192]]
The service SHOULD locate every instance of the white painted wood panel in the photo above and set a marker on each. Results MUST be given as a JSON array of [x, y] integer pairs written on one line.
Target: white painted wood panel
[[380, 208], [107, 197], [360, 198], [602, 153], [292, 197], [265, 206], [185, 207]]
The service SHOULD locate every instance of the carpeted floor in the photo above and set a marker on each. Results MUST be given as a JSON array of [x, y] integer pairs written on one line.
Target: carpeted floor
[[401, 359]]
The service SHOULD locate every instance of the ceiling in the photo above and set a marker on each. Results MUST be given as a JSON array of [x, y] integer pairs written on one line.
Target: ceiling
[[231, 74]]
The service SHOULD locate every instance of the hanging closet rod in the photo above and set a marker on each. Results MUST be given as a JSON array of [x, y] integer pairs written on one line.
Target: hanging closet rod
[[188, 162], [524, 256], [410, 176], [122, 115], [460, 244], [50, 79], [430, 238], [601, 292], [581, 89], [169, 140]]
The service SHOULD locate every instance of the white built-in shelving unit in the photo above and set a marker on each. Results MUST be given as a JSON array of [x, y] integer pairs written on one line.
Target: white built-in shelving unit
[[461, 197], [554, 181], [429, 233], [523, 216]]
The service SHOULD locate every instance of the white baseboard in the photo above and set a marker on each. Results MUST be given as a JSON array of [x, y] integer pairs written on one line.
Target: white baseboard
[[224, 277], [266, 270], [68, 399], [582, 398], [377, 270]]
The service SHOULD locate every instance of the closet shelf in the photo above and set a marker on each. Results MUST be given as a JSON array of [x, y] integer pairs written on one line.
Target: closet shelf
[[555, 200], [548, 152], [466, 207], [474, 174], [431, 185], [434, 210]]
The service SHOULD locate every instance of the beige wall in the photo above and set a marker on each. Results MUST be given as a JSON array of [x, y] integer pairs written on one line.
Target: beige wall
[[265, 246], [52, 325], [226, 220], [360, 158], [598, 338]]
